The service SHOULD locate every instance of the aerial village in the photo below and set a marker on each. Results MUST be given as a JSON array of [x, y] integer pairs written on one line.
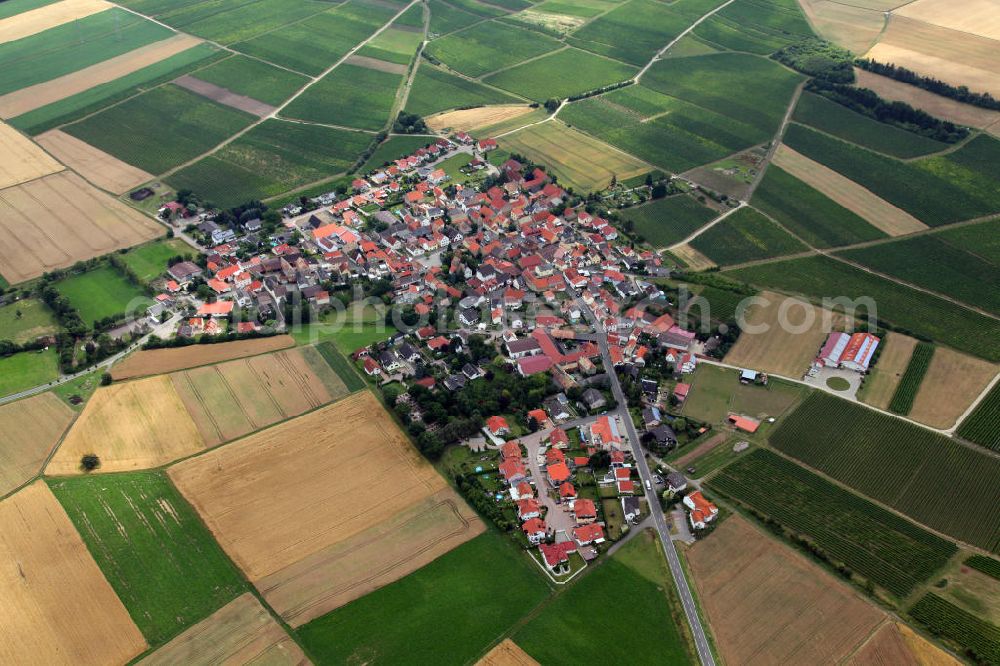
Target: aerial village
[[508, 287]]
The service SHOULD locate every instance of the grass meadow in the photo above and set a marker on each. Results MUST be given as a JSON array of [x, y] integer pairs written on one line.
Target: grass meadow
[[229, 21], [905, 308], [35, 320], [153, 548], [446, 19], [435, 90], [746, 235], [663, 222], [476, 591], [809, 213], [102, 292], [150, 261], [28, 369], [633, 594], [394, 45], [160, 129], [633, 32], [393, 148], [350, 96]]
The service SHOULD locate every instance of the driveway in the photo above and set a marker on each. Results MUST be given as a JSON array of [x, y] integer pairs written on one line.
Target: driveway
[[559, 518]]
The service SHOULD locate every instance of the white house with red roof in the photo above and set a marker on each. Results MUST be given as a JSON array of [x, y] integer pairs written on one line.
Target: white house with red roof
[[702, 511]]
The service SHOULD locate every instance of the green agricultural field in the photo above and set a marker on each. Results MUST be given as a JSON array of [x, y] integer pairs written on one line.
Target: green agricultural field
[[352, 380], [720, 456], [161, 128], [949, 487], [154, 550], [982, 426], [981, 239], [393, 45], [752, 90], [986, 565], [229, 21], [445, 19], [663, 222], [481, 9], [312, 46], [746, 235], [487, 47], [150, 261], [90, 101], [828, 116], [932, 263], [581, 8], [723, 303], [935, 190], [548, 77], [952, 623], [435, 90], [808, 213], [906, 308], [102, 292], [25, 320], [884, 548], [411, 18], [393, 148], [274, 157], [27, 369], [253, 78], [662, 130], [716, 391], [73, 46], [477, 592], [350, 96], [633, 32], [913, 376], [14, 7], [633, 595], [755, 26]]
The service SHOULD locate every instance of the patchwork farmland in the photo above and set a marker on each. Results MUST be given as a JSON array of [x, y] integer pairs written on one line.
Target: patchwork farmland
[[161, 361], [307, 563]]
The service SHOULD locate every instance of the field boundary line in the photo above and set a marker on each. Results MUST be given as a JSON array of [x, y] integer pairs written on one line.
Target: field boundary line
[[564, 47], [776, 141], [708, 225], [971, 408], [403, 92], [201, 401], [296, 95], [236, 400], [659, 54]]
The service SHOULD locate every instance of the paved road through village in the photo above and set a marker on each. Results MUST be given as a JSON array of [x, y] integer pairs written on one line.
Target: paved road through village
[[659, 521]]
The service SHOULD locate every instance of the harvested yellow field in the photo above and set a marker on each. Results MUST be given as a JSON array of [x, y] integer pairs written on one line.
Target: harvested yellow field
[[936, 105], [876, 211], [466, 120], [232, 399], [581, 161], [958, 58], [350, 569], [57, 606], [22, 160], [952, 382], [300, 506], [694, 259], [895, 643], [884, 377], [977, 17], [55, 221], [130, 426], [32, 22], [854, 28], [791, 332], [161, 361], [769, 605], [561, 23], [507, 653], [241, 632], [36, 96], [29, 429], [103, 170]]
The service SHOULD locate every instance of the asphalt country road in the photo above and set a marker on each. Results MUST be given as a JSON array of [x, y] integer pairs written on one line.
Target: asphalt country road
[[646, 477]]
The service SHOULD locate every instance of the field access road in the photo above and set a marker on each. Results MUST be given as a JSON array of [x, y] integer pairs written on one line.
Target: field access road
[[165, 327], [645, 476]]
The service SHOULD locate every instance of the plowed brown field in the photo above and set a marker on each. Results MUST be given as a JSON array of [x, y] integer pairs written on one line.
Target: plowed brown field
[[507, 653], [161, 361]]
